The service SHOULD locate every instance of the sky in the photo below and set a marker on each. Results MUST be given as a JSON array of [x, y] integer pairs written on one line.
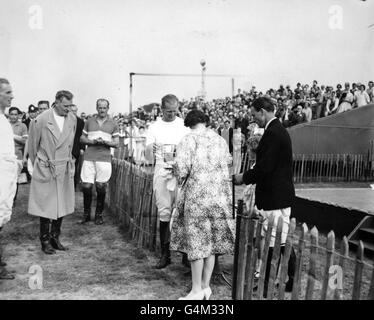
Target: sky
[[89, 47]]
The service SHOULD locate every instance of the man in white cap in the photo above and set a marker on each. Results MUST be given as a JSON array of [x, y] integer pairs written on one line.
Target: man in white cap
[[8, 166]]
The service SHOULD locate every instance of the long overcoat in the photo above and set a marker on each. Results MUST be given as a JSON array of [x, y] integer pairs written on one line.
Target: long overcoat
[[50, 151]]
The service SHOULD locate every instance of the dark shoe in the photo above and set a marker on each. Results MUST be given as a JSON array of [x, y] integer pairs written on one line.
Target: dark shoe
[[86, 218], [47, 247], [163, 262], [289, 286], [56, 244], [5, 275], [2, 264]]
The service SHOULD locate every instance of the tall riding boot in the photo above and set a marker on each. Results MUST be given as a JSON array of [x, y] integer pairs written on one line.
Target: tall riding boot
[[87, 200], [100, 200], [45, 236], [165, 251], [55, 234]]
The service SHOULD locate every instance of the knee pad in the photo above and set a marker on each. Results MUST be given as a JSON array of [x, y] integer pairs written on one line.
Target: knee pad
[[101, 187]]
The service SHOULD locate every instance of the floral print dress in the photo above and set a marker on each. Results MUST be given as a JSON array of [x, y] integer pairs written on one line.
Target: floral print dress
[[203, 224]]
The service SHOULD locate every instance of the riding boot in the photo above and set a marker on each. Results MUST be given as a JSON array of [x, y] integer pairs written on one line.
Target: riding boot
[[55, 234], [100, 200], [45, 236], [185, 261], [2, 263], [165, 251], [87, 200]]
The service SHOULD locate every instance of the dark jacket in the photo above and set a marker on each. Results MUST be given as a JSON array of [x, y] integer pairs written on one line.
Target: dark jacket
[[272, 173], [77, 144]]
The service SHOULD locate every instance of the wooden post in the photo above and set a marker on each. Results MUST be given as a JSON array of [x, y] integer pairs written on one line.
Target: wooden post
[[371, 290], [242, 254], [299, 264], [312, 274], [329, 261], [358, 272], [275, 259], [249, 267], [286, 258], [344, 250], [236, 252], [302, 169]]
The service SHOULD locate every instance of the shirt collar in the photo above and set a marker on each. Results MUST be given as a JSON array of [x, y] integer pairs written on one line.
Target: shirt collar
[[269, 122]]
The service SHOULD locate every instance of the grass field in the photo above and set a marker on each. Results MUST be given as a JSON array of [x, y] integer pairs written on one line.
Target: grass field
[[102, 263]]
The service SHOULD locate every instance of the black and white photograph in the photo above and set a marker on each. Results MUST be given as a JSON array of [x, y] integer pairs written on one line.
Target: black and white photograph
[[168, 150]]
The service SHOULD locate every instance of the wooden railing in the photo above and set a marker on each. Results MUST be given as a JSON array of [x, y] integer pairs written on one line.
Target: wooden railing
[[321, 272], [131, 198]]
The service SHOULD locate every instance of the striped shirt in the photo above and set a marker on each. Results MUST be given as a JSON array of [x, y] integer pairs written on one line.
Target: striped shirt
[[106, 131]]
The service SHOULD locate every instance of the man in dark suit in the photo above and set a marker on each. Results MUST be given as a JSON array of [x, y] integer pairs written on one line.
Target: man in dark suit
[[272, 175], [78, 147]]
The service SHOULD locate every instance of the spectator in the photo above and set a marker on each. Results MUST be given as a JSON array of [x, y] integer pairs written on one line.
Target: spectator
[[43, 105], [307, 111], [226, 133], [361, 97], [33, 112]]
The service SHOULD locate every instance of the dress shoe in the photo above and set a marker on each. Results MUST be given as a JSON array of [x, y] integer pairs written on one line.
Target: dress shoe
[[164, 261], [86, 218], [47, 247], [289, 286], [5, 275], [194, 296], [56, 244], [207, 293]]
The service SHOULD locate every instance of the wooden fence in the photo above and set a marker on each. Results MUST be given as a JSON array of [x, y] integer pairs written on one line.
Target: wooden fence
[[131, 197], [322, 272]]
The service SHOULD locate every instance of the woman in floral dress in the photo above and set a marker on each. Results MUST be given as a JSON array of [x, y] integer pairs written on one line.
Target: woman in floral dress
[[203, 225]]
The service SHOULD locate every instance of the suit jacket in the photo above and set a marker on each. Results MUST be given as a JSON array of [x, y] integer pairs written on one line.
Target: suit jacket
[[272, 173], [77, 146], [50, 150]]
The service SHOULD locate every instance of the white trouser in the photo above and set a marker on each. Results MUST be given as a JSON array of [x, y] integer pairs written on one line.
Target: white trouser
[[165, 199], [285, 214]]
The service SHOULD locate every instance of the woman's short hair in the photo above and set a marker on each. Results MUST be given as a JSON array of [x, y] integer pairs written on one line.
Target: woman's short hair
[[194, 117]]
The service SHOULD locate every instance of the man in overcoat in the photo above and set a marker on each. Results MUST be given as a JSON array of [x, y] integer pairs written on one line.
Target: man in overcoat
[[51, 139]]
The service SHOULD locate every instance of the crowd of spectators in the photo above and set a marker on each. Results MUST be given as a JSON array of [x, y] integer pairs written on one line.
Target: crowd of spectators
[[294, 106]]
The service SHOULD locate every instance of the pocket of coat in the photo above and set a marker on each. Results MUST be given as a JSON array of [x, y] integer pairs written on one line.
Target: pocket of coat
[[41, 173]]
